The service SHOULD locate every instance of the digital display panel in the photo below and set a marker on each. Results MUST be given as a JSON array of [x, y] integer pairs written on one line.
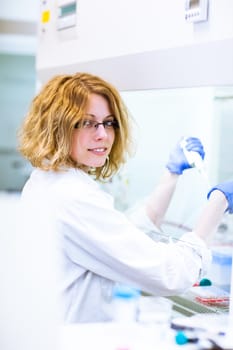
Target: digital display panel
[[68, 9], [194, 3]]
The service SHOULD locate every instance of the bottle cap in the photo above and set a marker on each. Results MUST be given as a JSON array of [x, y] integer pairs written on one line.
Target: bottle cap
[[125, 292]]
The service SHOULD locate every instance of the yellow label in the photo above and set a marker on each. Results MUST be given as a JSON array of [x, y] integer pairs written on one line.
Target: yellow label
[[45, 17]]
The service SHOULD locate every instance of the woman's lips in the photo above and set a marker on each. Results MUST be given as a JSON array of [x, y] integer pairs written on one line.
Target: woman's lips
[[98, 150]]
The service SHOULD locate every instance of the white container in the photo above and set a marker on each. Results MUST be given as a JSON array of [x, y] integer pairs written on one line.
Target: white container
[[220, 272], [125, 304]]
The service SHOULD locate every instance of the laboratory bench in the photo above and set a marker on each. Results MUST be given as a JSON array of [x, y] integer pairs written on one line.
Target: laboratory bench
[[192, 326], [136, 336]]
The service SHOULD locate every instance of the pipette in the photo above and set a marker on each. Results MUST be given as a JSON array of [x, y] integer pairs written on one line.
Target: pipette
[[195, 160]]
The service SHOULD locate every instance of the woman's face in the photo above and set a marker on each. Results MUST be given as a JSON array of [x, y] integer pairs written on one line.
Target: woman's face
[[92, 142]]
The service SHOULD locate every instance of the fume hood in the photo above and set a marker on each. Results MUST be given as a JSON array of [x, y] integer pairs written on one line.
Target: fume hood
[[138, 45], [172, 63]]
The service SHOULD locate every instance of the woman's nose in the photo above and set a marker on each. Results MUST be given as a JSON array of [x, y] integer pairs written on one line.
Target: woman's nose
[[100, 131]]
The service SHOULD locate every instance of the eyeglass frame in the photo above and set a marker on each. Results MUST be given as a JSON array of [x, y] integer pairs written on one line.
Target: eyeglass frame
[[114, 124]]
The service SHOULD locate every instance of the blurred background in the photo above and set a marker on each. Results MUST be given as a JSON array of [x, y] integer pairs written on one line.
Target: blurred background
[[18, 42]]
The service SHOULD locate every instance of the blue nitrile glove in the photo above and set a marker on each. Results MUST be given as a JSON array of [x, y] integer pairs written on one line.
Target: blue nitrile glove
[[227, 189], [177, 162]]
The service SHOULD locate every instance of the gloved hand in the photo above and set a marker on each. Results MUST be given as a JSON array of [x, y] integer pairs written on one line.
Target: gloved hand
[[177, 162], [227, 189]]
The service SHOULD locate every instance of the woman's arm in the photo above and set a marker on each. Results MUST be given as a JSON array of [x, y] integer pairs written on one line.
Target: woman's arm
[[160, 198], [220, 201]]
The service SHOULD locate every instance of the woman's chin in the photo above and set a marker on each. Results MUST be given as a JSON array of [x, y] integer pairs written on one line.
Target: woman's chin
[[97, 164]]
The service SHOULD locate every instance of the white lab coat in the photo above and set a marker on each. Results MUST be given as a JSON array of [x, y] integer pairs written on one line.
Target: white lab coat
[[99, 245]]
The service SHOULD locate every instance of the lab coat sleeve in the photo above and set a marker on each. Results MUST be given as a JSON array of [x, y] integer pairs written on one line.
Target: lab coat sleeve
[[103, 240], [137, 215]]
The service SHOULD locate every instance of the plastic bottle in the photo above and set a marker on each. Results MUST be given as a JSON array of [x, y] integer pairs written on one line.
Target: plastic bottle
[[125, 303]]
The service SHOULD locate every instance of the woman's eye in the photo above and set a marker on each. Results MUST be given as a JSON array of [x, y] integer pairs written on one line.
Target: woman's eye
[[109, 123], [87, 123], [112, 124]]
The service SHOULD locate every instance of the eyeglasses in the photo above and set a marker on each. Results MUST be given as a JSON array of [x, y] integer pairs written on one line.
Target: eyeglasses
[[93, 125]]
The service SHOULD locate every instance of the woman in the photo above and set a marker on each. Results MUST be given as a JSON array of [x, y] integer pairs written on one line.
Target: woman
[[76, 133]]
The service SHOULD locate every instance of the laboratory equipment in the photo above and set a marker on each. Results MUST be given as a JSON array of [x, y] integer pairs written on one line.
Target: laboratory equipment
[[177, 55], [211, 295], [194, 159], [125, 303], [220, 271], [196, 10], [167, 51]]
